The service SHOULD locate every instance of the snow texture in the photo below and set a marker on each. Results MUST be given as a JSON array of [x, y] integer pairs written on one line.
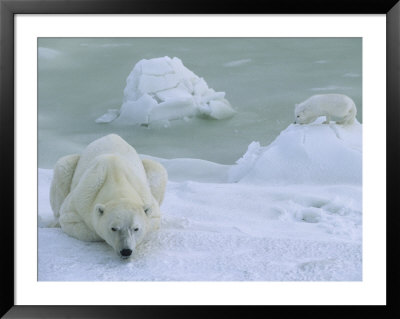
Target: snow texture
[[295, 214], [311, 154], [163, 89]]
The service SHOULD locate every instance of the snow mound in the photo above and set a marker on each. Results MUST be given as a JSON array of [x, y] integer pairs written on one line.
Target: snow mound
[[198, 170], [305, 154], [163, 89], [222, 232]]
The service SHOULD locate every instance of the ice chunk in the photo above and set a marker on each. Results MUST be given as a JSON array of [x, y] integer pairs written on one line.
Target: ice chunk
[[172, 109], [157, 66], [163, 89], [154, 84], [174, 93], [200, 87], [220, 109], [305, 154], [110, 116], [136, 112]]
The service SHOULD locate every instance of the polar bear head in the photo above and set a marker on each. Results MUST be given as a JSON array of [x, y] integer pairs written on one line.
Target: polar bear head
[[122, 224], [304, 115]]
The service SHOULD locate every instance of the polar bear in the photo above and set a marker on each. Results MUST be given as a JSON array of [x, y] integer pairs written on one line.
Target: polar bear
[[339, 106], [108, 193]]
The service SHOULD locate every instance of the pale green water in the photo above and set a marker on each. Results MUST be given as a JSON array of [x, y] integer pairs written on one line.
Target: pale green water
[[80, 78]]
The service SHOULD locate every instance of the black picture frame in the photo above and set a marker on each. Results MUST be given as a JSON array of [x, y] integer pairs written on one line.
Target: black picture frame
[[8, 10]]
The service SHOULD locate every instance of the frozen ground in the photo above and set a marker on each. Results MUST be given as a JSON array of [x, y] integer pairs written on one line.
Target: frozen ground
[[289, 211]]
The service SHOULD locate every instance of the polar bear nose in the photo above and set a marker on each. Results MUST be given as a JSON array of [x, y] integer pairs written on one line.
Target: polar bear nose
[[126, 252]]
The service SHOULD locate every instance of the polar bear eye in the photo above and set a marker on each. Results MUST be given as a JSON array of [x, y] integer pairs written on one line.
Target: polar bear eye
[[136, 229], [114, 229], [147, 210]]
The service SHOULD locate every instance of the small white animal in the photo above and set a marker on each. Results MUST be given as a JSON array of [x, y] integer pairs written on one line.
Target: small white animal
[[338, 106]]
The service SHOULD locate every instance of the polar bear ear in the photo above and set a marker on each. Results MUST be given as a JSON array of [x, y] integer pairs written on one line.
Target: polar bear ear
[[99, 209]]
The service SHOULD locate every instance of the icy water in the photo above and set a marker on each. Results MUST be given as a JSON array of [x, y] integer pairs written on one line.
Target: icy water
[[263, 78]]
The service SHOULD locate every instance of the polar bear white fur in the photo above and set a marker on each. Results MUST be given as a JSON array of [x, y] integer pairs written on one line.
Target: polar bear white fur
[[338, 106], [108, 193]]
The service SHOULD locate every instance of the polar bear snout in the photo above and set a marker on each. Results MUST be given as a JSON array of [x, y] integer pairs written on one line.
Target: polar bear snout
[[126, 252]]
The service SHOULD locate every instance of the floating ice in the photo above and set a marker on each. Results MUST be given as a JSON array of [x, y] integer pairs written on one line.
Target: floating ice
[[305, 154], [111, 115], [237, 63], [163, 89]]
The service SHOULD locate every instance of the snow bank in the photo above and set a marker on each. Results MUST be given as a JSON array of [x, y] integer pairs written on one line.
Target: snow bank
[[163, 89], [305, 154], [294, 215], [223, 232], [183, 169]]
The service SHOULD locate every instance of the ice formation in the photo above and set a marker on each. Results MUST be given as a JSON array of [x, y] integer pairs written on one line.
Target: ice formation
[[305, 154], [163, 89]]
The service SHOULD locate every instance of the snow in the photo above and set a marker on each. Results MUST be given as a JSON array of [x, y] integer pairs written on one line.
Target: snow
[[183, 169], [256, 220], [163, 89], [316, 153]]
